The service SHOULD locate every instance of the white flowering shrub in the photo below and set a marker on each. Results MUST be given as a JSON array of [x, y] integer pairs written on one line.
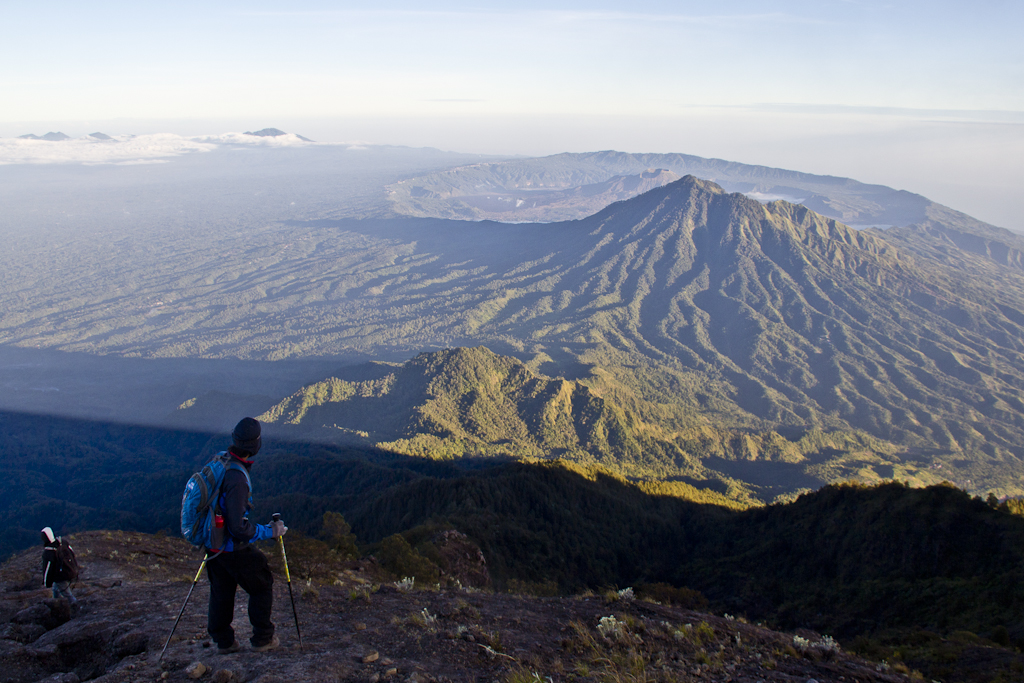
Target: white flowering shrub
[[626, 594], [683, 632], [610, 627], [827, 645], [406, 584]]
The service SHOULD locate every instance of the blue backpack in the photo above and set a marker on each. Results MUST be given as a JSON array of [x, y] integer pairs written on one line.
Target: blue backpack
[[198, 502]]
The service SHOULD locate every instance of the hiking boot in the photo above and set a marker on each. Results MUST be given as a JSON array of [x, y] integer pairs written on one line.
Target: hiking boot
[[272, 645], [233, 647]]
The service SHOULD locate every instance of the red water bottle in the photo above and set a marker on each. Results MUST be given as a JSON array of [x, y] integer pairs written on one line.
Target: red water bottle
[[217, 532]]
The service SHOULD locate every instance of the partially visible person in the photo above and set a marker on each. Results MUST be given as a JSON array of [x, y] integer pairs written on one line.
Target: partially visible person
[[59, 566]]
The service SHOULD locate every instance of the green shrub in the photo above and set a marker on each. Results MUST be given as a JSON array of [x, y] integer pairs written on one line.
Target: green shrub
[[540, 589], [337, 534], [401, 559], [667, 594], [1001, 636]]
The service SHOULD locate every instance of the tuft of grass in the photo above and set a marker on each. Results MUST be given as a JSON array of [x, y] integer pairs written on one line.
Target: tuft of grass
[[520, 674], [465, 609], [704, 633], [423, 619], [310, 592]]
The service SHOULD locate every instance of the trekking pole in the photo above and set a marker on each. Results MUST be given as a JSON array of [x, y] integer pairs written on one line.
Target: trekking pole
[[194, 582], [284, 556]]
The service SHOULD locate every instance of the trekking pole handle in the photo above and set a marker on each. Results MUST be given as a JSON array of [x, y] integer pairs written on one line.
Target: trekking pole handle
[[276, 517]]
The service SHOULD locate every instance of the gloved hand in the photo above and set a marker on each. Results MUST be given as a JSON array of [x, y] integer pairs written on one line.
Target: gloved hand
[[278, 528]]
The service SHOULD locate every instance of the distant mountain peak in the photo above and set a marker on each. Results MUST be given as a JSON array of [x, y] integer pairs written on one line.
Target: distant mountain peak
[[49, 137], [274, 133], [267, 132], [100, 136], [747, 221]]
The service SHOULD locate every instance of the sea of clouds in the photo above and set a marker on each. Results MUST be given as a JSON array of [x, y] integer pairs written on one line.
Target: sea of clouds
[[765, 197], [130, 149]]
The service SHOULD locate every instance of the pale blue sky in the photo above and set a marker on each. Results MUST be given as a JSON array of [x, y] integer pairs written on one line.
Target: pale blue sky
[[828, 86], [157, 60]]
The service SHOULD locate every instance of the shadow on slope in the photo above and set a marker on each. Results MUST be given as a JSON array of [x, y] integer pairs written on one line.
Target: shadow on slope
[[846, 559]]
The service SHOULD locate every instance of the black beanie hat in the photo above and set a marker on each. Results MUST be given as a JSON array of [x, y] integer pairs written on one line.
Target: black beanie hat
[[246, 435]]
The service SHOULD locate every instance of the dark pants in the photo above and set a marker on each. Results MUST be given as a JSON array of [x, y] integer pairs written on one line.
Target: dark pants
[[247, 568]]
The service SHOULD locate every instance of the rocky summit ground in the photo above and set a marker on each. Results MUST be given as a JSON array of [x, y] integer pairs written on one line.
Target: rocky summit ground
[[358, 626]]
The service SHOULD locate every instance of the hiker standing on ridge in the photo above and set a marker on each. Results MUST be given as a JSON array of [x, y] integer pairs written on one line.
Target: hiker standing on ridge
[[58, 574], [239, 563]]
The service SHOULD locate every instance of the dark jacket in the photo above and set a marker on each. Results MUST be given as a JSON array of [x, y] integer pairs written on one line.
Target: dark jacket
[[235, 502], [54, 570]]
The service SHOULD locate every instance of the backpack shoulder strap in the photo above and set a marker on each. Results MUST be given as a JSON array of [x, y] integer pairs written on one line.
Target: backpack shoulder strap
[[236, 466]]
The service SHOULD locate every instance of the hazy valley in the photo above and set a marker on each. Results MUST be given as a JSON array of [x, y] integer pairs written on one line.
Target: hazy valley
[[688, 308]]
